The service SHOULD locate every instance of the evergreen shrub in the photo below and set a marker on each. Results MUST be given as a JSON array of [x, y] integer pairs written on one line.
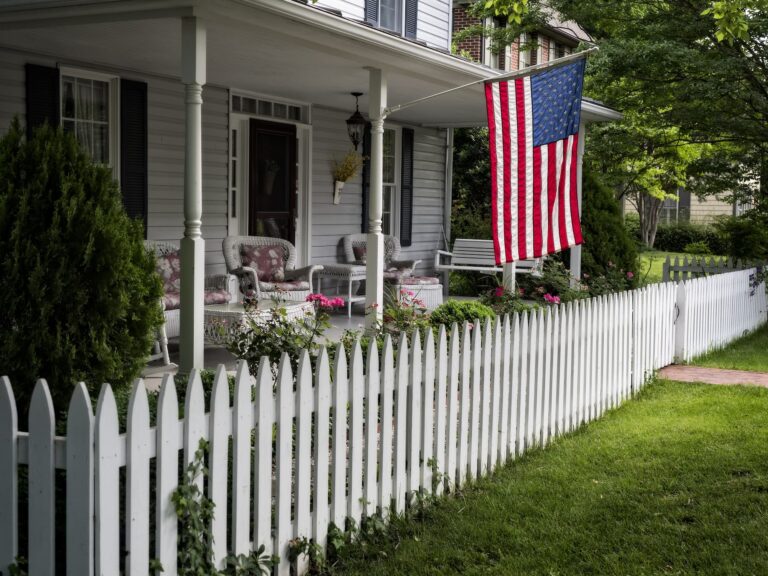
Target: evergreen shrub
[[675, 237], [608, 244], [79, 296], [460, 311]]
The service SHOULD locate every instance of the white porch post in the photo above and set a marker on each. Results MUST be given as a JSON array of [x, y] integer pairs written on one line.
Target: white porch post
[[576, 250], [508, 276], [374, 280], [193, 55]]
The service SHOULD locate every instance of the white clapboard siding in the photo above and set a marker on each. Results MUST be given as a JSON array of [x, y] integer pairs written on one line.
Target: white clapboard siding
[[306, 453]]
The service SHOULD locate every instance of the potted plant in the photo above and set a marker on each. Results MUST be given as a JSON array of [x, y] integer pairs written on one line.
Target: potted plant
[[344, 170]]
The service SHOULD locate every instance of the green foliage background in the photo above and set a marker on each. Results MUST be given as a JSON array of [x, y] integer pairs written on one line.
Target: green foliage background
[[79, 296]]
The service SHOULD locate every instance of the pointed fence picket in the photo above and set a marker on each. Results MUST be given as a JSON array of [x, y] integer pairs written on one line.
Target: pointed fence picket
[[301, 452]]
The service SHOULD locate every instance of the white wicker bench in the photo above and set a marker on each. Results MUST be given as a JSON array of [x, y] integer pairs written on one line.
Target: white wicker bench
[[478, 256]]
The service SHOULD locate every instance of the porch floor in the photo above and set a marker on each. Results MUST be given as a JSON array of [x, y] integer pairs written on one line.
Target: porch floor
[[154, 372]]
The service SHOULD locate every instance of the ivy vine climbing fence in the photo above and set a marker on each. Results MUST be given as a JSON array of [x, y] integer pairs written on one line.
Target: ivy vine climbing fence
[[291, 455]]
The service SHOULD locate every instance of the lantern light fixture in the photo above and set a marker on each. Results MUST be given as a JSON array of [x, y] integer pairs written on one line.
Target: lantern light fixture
[[356, 123]]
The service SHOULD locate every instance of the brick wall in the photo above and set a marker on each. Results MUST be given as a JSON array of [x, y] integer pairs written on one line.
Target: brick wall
[[473, 45]]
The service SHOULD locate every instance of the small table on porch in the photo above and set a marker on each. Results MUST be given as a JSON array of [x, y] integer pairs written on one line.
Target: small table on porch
[[348, 273], [220, 320]]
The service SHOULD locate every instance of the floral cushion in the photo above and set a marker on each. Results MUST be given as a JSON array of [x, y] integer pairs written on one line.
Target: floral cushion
[[267, 260], [419, 281], [172, 300], [360, 253], [298, 285], [169, 267], [395, 275], [217, 297]]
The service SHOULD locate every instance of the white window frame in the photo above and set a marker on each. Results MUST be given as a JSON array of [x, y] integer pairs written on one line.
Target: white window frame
[[113, 81], [395, 199], [401, 18]]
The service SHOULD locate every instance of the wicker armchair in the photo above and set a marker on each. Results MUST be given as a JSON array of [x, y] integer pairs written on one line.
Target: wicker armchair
[[217, 291], [355, 252], [266, 267]]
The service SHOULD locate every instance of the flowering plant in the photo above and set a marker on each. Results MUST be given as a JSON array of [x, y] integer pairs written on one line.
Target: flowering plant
[[276, 333], [504, 301]]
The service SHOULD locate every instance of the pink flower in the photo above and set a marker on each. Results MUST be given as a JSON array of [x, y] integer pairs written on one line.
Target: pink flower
[[337, 302], [521, 291], [551, 299], [630, 275], [499, 291]]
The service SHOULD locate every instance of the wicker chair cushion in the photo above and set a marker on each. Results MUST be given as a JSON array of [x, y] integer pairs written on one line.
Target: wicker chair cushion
[[298, 285], [419, 281], [267, 260], [169, 267], [360, 253], [172, 300], [395, 275]]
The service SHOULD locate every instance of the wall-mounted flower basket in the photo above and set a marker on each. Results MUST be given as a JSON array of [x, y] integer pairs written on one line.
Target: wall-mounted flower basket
[[344, 170], [338, 186]]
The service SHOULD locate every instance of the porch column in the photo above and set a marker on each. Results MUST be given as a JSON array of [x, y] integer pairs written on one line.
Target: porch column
[[374, 281], [576, 250], [193, 55]]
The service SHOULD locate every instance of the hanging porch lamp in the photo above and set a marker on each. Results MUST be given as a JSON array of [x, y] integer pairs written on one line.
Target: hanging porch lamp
[[356, 123]]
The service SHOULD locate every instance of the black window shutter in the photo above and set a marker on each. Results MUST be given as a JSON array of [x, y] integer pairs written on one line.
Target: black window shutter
[[133, 149], [411, 17], [372, 12], [366, 176], [406, 188], [42, 97]]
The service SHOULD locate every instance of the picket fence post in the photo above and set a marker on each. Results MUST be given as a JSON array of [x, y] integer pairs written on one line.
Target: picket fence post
[[9, 475]]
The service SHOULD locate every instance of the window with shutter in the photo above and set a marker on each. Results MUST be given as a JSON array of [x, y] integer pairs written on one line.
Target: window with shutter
[[393, 179], [134, 182], [406, 188], [400, 16], [42, 96]]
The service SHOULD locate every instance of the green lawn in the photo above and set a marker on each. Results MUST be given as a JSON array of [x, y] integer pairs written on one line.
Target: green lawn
[[748, 353], [652, 265], [675, 482]]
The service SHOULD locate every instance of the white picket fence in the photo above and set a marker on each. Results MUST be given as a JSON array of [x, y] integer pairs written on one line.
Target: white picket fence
[[319, 451], [676, 269], [716, 310]]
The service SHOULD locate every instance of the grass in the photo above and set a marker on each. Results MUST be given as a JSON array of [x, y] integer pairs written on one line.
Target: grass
[[673, 483], [652, 265], [748, 353]]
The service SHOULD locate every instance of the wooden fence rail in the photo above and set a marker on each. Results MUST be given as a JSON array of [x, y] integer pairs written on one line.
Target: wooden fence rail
[[303, 450]]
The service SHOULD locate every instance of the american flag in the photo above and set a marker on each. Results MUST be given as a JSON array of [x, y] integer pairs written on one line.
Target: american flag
[[533, 124]]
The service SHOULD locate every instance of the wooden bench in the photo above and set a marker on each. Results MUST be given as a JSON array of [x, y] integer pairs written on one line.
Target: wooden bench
[[478, 256]]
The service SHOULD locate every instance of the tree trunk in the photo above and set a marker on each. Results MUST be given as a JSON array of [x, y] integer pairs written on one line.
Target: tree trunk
[[649, 209]]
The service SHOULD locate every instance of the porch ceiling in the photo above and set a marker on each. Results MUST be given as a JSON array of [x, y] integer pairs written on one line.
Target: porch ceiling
[[283, 49]]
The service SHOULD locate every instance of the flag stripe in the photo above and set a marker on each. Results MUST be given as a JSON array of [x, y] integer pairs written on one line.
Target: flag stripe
[[577, 238], [522, 144], [494, 125]]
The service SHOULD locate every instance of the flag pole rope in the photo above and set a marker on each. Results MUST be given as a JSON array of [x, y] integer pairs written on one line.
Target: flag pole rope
[[498, 78]]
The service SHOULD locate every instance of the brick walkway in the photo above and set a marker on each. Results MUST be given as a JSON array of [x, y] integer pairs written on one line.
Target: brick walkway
[[714, 375]]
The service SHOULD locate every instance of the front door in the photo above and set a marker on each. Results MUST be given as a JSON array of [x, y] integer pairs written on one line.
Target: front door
[[272, 194]]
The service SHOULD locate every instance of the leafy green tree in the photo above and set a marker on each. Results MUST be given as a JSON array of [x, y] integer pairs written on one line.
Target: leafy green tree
[[79, 296]]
